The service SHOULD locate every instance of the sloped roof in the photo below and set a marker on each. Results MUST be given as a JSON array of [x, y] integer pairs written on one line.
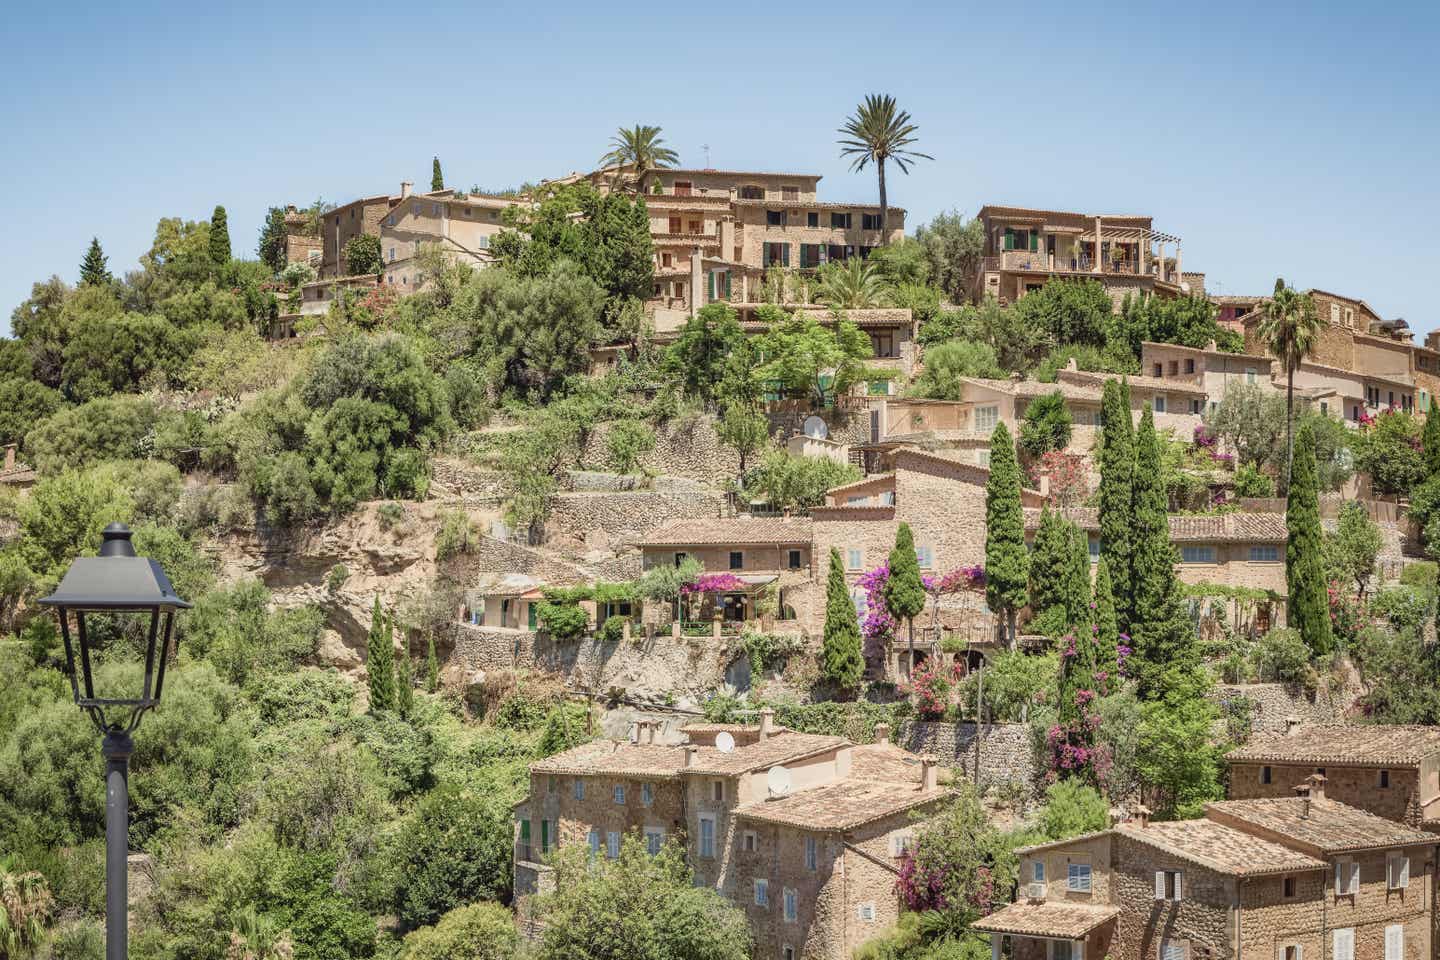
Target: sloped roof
[[616, 759], [1328, 826], [841, 805], [1221, 848], [1053, 918], [1342, 744], [780, 748], [1185, 528], [738, 530]]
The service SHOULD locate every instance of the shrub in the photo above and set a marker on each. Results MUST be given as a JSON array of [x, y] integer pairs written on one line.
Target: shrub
[[1250, 482], [565, 621], [612, 631], [1281, 655], [1046, 426], [1407, 608], [456, 535], [627, 442], [452, 850], [335, 579], [480, 931]]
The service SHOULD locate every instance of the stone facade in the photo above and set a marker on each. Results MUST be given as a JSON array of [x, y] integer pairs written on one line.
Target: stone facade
[[614, 520], [1005, 752], [1275, 703], [683, 448]]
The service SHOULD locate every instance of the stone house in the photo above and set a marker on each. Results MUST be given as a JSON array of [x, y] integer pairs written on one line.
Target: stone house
[[1276, 879], [14, 473], [1391, 771], [1213, 371], [803, 832], [1233, 308], [462, 226], [356, 218], [301, 246], [1025, 249]]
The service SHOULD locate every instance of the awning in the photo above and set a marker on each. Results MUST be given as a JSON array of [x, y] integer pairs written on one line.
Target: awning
[[1057, 920]]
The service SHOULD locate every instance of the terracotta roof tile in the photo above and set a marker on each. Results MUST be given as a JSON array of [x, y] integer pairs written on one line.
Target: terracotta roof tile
[[1341, 744], [1329, 826], [738, 530], [842, 805], [781, 748], [1185, 528], [1057, 918], [616, 759], [1221, 848]]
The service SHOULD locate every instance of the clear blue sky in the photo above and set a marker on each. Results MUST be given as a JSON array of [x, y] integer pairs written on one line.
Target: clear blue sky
[[1275, 138]]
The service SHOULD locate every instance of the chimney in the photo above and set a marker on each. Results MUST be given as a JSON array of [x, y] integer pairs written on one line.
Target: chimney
[[1316, 782], [767, 724], [1304, 793], [9, 457], [1210, 346], [929, 773], [406, 188], [1116, 815], [691, 752], [1073, 366], [1141, 816], [290, 208], [642, 731], [1292, 723], [882, 734]]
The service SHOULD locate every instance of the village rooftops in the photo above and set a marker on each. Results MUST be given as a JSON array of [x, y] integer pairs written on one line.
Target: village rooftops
[[1213, 528], [736, 530], [621, 758], [1206, 351], [779, 748], [1338, 745], [1216, 846], [842, 805], [1037, 388], [1326, 826], [1002, 212], [1054, 918]]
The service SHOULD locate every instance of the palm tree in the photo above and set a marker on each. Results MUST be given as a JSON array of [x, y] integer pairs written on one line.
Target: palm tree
[[879, 132], [639, 147], [851, 284], [25, 903], [1289, 326]]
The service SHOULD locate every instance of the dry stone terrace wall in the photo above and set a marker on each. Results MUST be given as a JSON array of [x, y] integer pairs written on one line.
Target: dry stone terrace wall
[[1005, 753], [687, 448], [614, 520], [1276, 701]]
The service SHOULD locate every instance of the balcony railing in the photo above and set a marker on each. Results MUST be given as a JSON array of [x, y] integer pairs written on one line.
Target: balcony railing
[[1024, 260]]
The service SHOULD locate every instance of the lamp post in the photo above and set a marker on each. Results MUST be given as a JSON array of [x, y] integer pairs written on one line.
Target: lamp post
[[117, 581]]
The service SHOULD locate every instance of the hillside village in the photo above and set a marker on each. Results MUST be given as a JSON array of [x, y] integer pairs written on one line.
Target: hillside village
[[657, 553]]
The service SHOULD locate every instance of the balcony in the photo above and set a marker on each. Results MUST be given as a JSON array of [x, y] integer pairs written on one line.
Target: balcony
[[1047, 263]]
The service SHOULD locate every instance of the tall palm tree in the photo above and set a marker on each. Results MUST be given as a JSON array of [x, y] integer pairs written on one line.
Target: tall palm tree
[[1289, 326], [639, 147], [879, 131], [25, 904]]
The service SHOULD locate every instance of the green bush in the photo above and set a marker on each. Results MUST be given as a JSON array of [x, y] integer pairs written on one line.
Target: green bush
[[1407, 608], [390, 514], [456, 535], [107, 428], [1422, 575], [452, 850], [235, 629], [612, 631], [1250, 482], [335, 579], [1281, 655], [480, 931], [566, 622]]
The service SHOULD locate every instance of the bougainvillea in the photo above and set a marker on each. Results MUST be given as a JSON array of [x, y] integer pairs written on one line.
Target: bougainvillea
[[1347, 613], [714, 583], [877, 626], [933, 685], [1066, 473]]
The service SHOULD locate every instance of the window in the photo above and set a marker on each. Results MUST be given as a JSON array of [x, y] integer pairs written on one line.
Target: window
[[1198, 554], [812, 854], [866, 912], [1197, 406], [1094, 550], [982, 457], [839, 221], [790, 905], [1343, 944], [882, 343], [750, 841], [811, 255], [762, 893], [707, 837], [1159, 403], [612, 845], [683, 188], [674, 225], [484, 242], [392, 254], [1059, 949], [1349, 317], [1291, 951], [1384, 779], [654, 840], [925, 556], [1397, 871], [390, 220], [1077, 877], [579, 789], [900, 844], [870, 221], [792, 560], [1159, 370], [1265, 554], [1189, 364], [787, 952], [1178, 950], [774, 218], [667, 260], [1167, 885], [853, 559], [1249, 374], [1174, 367], [752, 193], [680, 558], [1335, 313], [1287, 888], [1395, 942], [1265, 776], [696, 226], [1347, 877], [1037, 871], [812, 219], [986, 418], [619, 794], [737, 560], [594, 838], [647, 794], [777, 254], [717, 791]]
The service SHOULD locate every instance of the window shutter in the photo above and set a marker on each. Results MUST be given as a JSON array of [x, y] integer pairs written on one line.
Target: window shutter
[[1394, 942], [1339, 877], [785, 254], [1354, 876], [1009, 238], [1404, 872], [1034, 241], [711, 291], [1178, 875], [727, 284], [1159, 884]]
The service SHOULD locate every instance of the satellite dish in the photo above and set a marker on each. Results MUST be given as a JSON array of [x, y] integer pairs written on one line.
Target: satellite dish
[[724, 742], [815, 427], [778, 780]]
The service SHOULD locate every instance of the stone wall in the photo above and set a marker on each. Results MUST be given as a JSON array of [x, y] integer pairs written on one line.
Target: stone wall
[[1276, 701], [461, 479], [1005, 753], [684, 448], [611, 520], [500, 556]]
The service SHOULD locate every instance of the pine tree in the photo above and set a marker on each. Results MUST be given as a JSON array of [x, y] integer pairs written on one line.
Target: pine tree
[[437, 179], [219, 236], [1006, 561], [380, 660], [432, 666], [1308, 610], [1107, 632], [404, 683], [841, 661], [1117, 472], [1161, 632], [1430, 440], [904, 591], [93, 269]]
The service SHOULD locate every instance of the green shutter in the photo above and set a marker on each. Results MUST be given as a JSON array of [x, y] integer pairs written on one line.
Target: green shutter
[[1034, 241], [727, 284], [525, 830], [1009, 238], [532, 615], [711, 281], [544, 836], [785, 255]]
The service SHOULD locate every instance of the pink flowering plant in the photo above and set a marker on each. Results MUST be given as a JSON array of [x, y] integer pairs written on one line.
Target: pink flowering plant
[[959, 864], [714, 583]]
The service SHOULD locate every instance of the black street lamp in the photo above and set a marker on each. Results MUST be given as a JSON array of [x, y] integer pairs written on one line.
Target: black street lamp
[[116, 581]]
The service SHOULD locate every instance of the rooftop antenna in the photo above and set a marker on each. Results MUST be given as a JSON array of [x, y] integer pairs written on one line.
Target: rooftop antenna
[[706, 148], [724, 742]]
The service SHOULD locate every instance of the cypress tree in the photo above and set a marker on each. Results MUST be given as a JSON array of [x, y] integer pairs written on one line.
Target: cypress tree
[[1049, 558], [1117, 521], [841, 661], [1006, 562], [432, 666], [1160, 631], [1107, 633], [271, 248], [380, 660], [1077, 580], [1308, 609], [404, 684], [1430, 440], [93, 269], [219, 236], [904, 592], [437, 179]]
